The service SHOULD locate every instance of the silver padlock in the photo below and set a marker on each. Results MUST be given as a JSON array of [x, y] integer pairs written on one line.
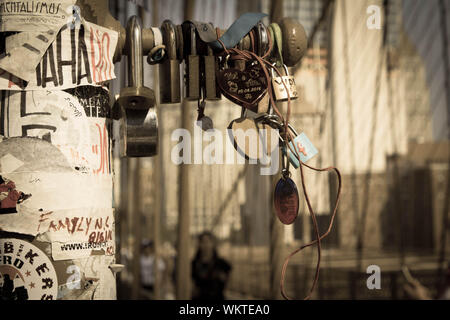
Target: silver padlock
[[279, 89]]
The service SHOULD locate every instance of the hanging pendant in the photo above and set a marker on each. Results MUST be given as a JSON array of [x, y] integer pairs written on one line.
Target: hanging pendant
[[285, 197], [286, 200]]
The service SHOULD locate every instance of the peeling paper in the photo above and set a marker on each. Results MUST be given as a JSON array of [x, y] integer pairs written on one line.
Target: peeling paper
[[24, 51], [76, 123], [53, 226], [97, 267], [9, 163], [30, 15], [49, 190], [81, 55]]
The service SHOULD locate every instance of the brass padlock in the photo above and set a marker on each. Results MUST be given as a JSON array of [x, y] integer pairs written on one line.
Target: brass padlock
[[211, 67], [138, 120], [169, 69], [192, 75], [279, 88]]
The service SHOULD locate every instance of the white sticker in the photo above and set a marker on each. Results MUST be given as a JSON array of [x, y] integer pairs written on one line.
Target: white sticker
[[75, 124], [82, 55], [26, 273], [157, 37], [49, 191], [80, 249], [24, 51], [31, 15]]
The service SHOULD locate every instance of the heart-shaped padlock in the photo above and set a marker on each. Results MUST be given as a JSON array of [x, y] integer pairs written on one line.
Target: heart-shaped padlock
[[245, 88]]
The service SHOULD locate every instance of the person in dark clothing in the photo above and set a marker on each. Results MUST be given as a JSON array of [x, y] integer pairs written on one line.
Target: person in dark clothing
[[209, 271]]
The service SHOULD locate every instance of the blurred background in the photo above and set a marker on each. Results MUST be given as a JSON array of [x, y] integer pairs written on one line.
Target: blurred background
[[375, 102]]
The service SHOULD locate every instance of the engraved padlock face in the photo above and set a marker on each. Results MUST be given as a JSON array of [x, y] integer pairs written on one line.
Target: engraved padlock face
[[245, 88], [279, 88]]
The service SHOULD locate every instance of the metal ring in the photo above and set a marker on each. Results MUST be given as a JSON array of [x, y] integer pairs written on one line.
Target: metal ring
[[152, 59], [263, 40]]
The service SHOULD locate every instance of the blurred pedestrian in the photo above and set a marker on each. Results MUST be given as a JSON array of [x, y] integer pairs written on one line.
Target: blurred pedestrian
[[148, 265], [209, 271]]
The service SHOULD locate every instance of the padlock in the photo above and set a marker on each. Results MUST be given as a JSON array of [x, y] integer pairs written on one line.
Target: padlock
[[279, 88], [211, 66], [138, 120], [302, 146], [192, 74], [169, 69], [262, 39]]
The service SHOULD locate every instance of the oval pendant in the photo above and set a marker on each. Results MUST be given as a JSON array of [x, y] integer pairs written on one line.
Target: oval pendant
[[286, 200]]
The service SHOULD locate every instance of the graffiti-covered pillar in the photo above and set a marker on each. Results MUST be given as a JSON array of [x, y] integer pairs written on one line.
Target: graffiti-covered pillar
[[56, 208]]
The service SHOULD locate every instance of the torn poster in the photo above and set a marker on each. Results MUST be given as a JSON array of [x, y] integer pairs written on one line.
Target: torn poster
[[26, 273], [49, 191], [94, 225], [24, 51], [97, 269], [81, 55], [75, 126], [33, 15], [10, 197], [78, 233]]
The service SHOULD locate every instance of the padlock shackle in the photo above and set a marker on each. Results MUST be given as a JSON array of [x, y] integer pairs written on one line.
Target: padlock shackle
[[135, 53], [263, 38], [193, 42], [168, 31], [286, 70]]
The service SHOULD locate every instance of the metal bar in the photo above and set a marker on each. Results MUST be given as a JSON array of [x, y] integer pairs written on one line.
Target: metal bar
[[183, 265], [157, 175], [276, 228]]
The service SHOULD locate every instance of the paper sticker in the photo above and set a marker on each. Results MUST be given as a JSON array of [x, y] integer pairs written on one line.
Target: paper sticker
[[77, 125], [304, 148], [78, 56], [75, 234], [26, 273], [49, 191], [32, 15], [24, 51], [52, 225], [81, 249], [10, 197]]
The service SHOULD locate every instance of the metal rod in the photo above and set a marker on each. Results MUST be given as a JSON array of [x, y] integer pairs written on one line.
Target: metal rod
[[276, 228]]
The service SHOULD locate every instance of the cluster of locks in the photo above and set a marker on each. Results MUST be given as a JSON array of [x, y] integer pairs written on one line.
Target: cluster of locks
[[247, 64]]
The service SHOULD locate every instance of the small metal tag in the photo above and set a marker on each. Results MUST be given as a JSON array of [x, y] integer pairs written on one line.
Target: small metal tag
[[304, 148], [286, 200]]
